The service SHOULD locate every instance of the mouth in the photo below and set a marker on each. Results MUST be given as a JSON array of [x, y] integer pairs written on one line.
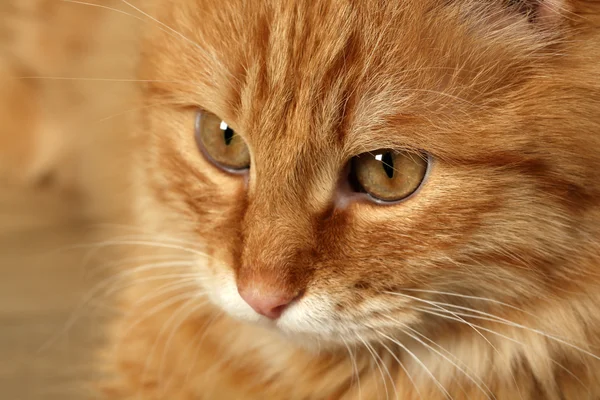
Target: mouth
[[311, 321]]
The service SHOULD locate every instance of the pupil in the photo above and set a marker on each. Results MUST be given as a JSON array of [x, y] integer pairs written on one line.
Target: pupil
[[388, 164], [228, 135]]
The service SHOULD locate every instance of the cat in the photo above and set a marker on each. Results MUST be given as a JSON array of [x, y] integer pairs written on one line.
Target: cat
[[343, 199]]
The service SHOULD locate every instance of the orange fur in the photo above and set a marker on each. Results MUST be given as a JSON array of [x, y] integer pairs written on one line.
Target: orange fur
[[495, 260]]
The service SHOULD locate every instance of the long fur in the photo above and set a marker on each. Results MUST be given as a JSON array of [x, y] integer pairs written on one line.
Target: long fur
[[484, 285]]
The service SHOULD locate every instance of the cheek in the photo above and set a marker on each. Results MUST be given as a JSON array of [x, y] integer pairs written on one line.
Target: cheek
[[219, 284], [184, 196], [193, 192], [455, 221]]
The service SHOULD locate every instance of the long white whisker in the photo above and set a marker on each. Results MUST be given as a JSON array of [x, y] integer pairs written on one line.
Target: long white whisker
[[515, 325], [162, 24], [143, 268], [442, 349], [179, 34], [161, 241], [477, 383], [368, 348], [166, 324], [387, 372], [401, 364], [124, 263], [170, 338], [113, 243], [503, 321], [490, 317], [197, 346], [418, 360], [88, 298], [429, 310], [474, 327], [159, 307], [104, 7], [163, 290], [464, 296], [355, 369], [131, 110], [94, 79]]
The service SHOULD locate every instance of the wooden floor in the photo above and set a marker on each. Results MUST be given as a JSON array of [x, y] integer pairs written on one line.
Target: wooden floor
[[41, 285]]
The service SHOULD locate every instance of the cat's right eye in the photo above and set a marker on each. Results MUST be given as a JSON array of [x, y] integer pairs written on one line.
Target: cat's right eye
[[220, 144], [387, 175]]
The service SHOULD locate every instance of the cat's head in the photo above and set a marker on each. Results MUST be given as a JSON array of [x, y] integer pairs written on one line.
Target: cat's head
[[339, 165]]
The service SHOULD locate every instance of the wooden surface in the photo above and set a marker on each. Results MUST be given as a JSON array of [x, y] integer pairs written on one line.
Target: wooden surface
[[42, 283]]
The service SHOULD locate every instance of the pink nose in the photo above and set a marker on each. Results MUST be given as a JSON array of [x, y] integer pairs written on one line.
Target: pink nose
[[269, 304]]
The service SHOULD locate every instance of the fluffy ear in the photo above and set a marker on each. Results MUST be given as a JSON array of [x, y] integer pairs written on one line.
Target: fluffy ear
[[542, 11]]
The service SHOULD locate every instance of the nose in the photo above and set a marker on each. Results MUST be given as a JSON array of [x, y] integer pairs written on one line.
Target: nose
[[271, 304]]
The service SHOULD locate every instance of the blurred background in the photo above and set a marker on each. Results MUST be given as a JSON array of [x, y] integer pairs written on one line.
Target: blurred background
[[66, 91]]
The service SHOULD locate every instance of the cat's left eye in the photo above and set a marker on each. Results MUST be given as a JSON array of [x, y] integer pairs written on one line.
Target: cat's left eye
[[220, 144]]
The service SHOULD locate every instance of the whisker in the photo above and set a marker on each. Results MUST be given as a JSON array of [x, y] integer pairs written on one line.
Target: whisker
[[162, 24], [88, 298], [144, 243], [387, 372], [197, 346], [368, 348], [93, 79], [441, 348], [136, 232], [355, 370], [143, 268], [516, 325], [474, 329], [171, 336], [463, 296], [158, 308], [160, 238], [418, 360], [97, 247], [568, 371], [173, 318], [429, 311], [124, 263], [490, 317], [116, 10], [401, 364], [165, 326], [485, 391], [131, 110], [506, 322], [165, 289]]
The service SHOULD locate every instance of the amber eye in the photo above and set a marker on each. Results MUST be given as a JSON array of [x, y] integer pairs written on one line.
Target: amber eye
[[220, 144], [389, 175]]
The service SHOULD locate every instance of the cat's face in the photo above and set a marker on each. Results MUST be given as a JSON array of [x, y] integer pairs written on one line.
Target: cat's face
[[305, 88]]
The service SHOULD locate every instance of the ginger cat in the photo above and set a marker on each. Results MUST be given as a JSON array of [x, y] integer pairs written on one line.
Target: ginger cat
[[366, 200], [338, 199]]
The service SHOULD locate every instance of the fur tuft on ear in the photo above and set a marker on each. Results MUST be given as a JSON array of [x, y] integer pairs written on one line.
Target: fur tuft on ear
[[541, 11]]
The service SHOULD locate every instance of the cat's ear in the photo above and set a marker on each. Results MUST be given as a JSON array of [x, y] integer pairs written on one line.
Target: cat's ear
[[541, 11]]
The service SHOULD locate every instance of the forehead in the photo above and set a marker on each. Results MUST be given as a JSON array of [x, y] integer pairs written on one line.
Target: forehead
[[362, 74]]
